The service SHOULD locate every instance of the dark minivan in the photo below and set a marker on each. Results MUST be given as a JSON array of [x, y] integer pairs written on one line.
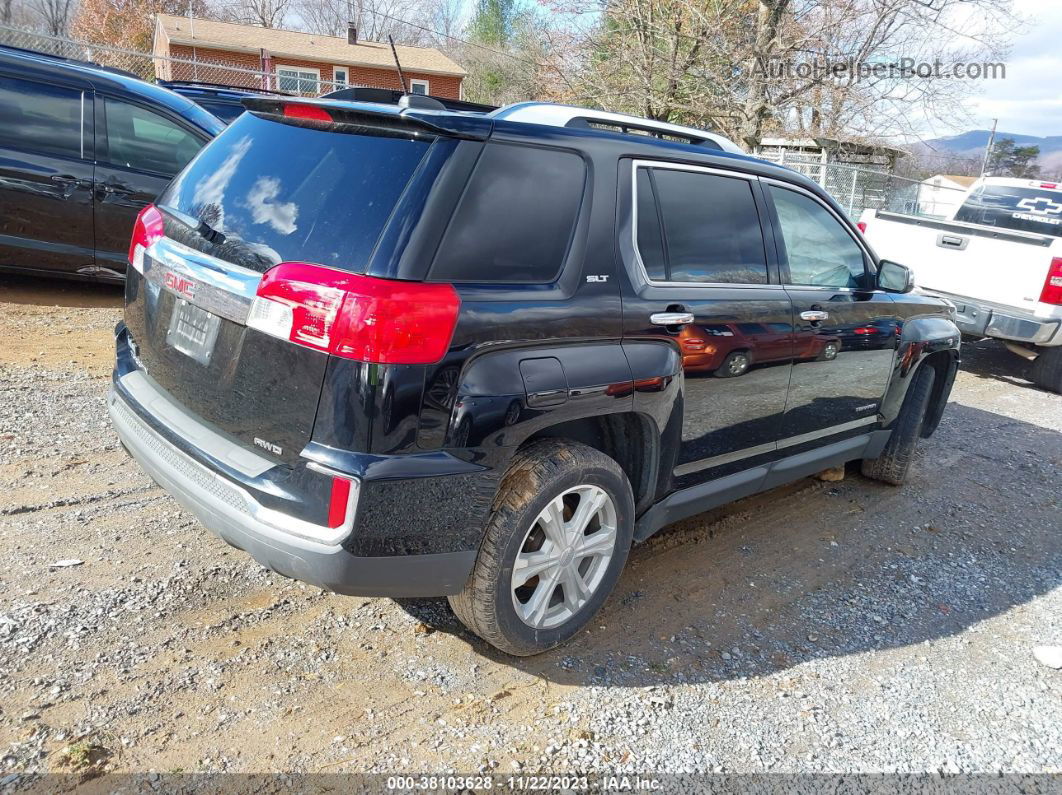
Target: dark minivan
[[82, 150], [418, 352]]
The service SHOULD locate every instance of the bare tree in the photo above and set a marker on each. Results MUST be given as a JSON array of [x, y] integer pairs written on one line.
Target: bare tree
[[750, 67], [263, 13], [54, 15], [408, 21]]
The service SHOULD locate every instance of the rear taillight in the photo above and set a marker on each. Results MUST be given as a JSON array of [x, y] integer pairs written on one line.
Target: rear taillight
[[147, 229], [356, 317], [862, 227], [1052, 292]]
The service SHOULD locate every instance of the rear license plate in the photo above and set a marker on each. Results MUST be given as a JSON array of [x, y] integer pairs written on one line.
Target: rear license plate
[[193, 331]]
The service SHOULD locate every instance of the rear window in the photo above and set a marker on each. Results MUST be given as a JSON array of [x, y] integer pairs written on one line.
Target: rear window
[[515, 219], [709, 226], [281, 193], [1023, 209]]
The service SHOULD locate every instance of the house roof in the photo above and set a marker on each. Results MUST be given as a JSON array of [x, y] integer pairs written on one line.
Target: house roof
[[833, 144], [305, 46]]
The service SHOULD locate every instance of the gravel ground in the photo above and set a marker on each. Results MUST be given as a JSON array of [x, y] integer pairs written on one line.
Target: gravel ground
[[823, 627]]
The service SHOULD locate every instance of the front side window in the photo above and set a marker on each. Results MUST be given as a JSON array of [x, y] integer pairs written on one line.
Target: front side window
[[143, 140], [820, 251], [700, 228], [515, 219], [39, 117], [298, 80]]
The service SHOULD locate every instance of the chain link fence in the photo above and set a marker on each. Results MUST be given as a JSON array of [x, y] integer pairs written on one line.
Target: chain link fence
[[149, 66], [857, 189]]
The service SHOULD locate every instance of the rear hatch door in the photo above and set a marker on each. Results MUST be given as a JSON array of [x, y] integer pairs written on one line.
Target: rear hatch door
[[267, 190]]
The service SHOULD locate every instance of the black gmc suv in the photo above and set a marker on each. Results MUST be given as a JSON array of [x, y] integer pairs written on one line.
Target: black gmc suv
[[415, 352]]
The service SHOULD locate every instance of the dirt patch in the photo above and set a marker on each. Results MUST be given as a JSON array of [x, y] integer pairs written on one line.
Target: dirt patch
[[58, 325]]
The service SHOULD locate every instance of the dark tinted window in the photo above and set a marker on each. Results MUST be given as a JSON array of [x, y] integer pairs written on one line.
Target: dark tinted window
[[1019, 208], [819, 250], [279, 192], [650, 241], [138, 138], [226, 111], [711, 228], [515, 219], [38, 117]]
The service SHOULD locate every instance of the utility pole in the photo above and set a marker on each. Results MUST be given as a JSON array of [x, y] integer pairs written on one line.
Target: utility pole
[[988, 149]]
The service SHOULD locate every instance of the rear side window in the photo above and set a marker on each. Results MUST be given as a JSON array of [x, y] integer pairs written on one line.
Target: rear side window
[[140, 139], [515, 219], [39, 117], [709, 226], [284, 193], [1019, 208]]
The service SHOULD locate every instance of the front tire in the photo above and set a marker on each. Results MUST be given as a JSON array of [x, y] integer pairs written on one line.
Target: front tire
[[555, 544], [737, 363], [1047, 369], [895, 460]]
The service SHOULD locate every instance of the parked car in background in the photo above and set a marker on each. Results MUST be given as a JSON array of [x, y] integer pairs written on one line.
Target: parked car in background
[[730, 349], [405, 351], [998, 259], [83, 149], [225, 102]]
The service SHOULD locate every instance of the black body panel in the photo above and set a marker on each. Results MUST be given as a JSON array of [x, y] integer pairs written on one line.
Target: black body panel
[[253, 386]]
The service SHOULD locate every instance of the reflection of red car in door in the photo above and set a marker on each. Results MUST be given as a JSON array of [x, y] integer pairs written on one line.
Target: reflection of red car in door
[[729, 349]]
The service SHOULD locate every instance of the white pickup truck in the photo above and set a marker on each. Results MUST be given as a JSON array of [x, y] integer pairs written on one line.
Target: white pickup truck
[[998, 259]]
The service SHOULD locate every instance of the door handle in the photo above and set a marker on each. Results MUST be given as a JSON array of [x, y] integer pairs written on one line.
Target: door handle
[[814, 315], [114, 189], [63, 179], [671, 318]]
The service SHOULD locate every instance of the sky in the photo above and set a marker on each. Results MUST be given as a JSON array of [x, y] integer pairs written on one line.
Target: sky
[[1029, 100]]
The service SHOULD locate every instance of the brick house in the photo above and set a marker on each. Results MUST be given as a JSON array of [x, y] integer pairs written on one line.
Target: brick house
[[294, 62]]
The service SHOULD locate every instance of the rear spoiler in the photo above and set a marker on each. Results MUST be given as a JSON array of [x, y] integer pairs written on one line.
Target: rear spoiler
[[390, 96], [391, 118]]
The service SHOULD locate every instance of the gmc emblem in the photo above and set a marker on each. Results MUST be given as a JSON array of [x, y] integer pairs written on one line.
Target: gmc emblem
[[179, 284]]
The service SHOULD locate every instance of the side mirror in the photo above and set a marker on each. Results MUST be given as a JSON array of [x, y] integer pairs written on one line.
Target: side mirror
[[894, 277]]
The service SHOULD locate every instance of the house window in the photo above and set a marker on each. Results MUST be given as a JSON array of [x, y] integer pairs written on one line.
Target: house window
[[340, 77], [418, 86], [299, 80]]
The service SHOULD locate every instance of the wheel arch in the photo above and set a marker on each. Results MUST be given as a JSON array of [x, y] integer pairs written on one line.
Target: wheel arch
[[630, 438]]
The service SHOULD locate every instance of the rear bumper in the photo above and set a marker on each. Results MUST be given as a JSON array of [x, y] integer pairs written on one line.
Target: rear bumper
[[982, 319], [218, 504]]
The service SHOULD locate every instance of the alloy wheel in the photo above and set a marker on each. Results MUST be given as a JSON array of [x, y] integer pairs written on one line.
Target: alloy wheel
[[564, 556]]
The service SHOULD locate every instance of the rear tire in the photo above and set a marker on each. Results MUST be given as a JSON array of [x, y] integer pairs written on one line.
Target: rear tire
[[547, 475], [1047, 369], [895, 460]]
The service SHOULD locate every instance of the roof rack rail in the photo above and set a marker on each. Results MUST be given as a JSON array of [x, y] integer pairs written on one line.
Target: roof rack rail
[[570, 116], [221, 86]]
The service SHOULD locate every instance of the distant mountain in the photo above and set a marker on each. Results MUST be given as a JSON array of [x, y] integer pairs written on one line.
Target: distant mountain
[[972, 144]]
